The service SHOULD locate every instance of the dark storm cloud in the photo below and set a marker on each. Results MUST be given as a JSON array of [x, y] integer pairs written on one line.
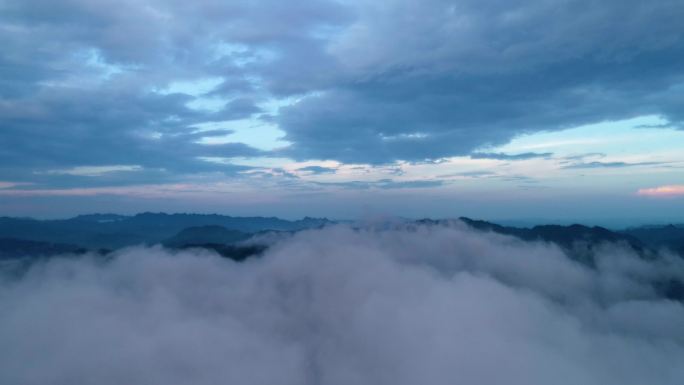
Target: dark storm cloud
[[80, 80], [62, 128], [375, 82], [436, 78]]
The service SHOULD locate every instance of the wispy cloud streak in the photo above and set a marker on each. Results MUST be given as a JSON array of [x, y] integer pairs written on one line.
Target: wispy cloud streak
[[663, 191]]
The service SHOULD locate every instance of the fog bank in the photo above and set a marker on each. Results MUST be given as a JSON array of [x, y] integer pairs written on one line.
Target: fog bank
[[339, 306]]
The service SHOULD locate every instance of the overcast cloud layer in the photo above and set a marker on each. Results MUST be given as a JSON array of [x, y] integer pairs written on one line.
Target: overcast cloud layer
[[89, 83], [409, 305]]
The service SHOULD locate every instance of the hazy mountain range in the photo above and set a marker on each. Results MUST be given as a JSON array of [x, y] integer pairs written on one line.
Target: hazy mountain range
[[609, 300], [110, 231], [106, 232]]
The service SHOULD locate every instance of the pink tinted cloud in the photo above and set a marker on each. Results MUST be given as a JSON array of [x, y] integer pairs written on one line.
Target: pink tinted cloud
[[662, 191]]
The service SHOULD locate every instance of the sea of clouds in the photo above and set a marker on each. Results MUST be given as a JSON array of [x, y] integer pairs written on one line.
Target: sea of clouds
[[405, 304]]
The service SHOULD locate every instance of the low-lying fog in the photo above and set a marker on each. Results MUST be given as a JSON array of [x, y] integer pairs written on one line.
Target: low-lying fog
[[402, 305]]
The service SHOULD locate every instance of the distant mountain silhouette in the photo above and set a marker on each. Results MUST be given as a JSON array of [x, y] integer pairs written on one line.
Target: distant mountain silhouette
[[113, 231], [234, 252], [211, 234], [100, 218], [24, 240], [670, 237], [565, 236], [11, 248], [578, 241], [21, 236]]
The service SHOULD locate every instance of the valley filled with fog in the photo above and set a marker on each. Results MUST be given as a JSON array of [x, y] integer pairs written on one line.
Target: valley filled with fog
[[392, 303]]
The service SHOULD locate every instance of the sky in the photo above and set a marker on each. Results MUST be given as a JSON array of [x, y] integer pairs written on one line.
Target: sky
[[523, 110]]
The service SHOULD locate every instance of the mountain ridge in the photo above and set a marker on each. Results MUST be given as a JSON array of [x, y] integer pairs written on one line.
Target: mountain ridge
[[114, 231]]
